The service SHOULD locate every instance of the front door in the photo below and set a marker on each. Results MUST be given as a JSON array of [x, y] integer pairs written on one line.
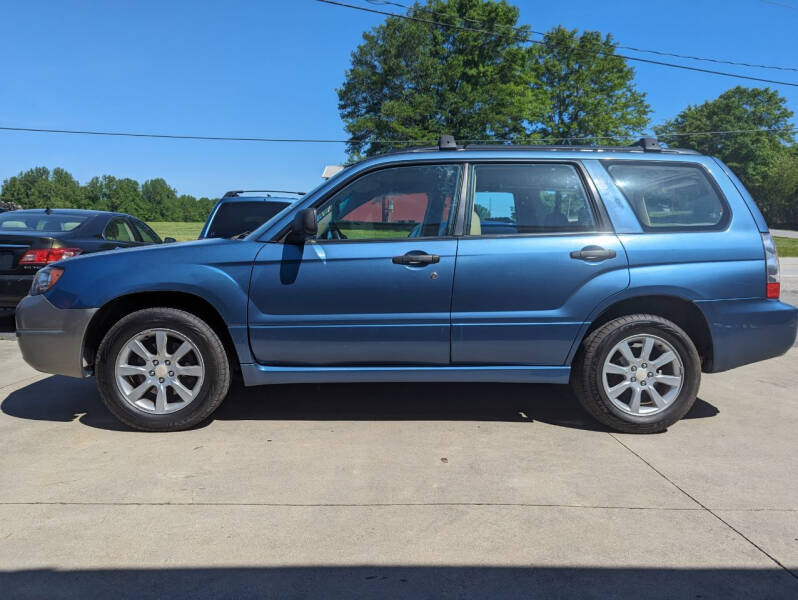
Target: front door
[[374, 287], [535, 261]]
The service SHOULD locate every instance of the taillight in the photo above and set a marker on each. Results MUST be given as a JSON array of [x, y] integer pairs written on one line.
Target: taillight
[[45, 279], [45, 256], [772, 285]]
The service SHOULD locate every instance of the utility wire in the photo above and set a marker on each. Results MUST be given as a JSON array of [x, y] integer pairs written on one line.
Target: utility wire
[[531, 140], [782, 4], [531, 41], [632, 48]]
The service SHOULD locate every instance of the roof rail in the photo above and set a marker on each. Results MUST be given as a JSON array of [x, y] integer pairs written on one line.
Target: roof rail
[[448, 143], [234, 193]]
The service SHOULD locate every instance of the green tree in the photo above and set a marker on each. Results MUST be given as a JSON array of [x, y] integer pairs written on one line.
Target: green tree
[[750, 155], [160, 200], [411, 80], [777, 194], [757, 158], [589, 90], [41, 188]]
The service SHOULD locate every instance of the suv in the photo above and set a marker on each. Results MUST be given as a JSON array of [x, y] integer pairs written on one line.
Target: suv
[[624, 271], [237, 215]]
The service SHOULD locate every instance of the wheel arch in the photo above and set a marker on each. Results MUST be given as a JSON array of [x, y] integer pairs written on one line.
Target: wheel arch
[[679, 310], [115, 309]]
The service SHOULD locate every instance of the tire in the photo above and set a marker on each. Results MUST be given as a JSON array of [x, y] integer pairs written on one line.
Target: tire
[[206, 363], [593, 380]]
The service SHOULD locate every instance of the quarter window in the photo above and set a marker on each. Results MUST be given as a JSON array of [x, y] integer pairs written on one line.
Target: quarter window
[[670, 196], [145, 233], [528, 198], [394, 203]]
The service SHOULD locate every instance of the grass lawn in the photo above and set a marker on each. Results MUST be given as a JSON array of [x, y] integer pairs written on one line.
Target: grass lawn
[[787, 246], [180, 231]]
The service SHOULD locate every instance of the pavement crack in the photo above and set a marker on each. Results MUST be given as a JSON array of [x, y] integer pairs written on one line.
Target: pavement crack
[[707, 509]]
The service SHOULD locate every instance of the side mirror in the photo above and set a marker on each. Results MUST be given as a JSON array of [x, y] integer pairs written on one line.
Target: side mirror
[[303, 227], [169, 240]]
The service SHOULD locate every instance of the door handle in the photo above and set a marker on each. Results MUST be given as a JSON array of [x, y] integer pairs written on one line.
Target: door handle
[[416, 259], [593, 253]]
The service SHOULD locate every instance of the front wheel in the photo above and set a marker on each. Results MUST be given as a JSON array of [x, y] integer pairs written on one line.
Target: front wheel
[[637, 374], [162, 369]]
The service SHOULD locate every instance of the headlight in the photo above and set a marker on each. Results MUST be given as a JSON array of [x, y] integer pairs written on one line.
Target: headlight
[[45, 279]]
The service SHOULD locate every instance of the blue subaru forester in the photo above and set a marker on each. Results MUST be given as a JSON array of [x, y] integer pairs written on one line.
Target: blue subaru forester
[[624, 271]]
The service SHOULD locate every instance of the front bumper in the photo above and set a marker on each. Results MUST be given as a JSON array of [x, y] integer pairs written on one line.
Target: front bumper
[[51, 339], [13, 288], [746, 331]]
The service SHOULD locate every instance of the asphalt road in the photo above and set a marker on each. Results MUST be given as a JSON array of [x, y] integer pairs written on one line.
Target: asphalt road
[[400, 491]]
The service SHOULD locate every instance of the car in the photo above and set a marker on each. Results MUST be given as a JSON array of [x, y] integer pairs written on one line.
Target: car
[[33, 238], [236, 214], [624, 271]]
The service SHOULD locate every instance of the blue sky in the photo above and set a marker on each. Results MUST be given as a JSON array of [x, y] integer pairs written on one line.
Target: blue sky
[[270, 69]]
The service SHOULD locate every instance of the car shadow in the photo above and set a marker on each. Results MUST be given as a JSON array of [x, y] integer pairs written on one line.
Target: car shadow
[[66, 399], [399, 582], [7, 326]]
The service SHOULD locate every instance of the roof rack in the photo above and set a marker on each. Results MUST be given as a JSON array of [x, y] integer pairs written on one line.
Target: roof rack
[[234, 193], [448, 143]]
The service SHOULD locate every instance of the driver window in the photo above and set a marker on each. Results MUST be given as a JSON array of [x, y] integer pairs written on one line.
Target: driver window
[[395, 203]]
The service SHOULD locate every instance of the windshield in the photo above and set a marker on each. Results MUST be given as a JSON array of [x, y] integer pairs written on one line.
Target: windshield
[[40, 222], [235, 218]]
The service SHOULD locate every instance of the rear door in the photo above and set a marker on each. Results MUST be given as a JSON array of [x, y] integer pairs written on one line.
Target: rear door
[[538, 256], [374, 288]]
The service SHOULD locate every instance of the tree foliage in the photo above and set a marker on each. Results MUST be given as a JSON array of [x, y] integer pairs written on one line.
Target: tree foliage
[[765, 161], [154, 200], [411, 80], [589, 90]]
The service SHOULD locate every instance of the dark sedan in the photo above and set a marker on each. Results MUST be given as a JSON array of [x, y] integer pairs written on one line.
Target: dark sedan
[[33, 238]]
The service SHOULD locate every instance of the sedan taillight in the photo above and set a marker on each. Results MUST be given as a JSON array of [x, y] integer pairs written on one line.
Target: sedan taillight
[[45, 256]]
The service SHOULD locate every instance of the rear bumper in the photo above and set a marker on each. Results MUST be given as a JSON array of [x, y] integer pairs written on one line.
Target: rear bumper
[[50, 338], [746, 331], [14, 288]]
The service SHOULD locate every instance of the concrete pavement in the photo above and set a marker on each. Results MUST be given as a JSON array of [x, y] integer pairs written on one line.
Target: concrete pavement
[[788, 233], [789, 280], [399, 491]]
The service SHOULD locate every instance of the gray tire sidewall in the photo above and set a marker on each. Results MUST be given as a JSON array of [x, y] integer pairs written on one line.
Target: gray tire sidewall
[[690, 364], [214, 385]]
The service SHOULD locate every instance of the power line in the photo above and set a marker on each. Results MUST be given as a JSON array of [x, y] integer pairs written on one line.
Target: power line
[[531, 140], [782, 4], [178, 137], [531, 41], [632, 48]]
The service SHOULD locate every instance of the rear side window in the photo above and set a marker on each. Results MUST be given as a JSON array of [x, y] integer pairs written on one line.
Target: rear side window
[[528, 198], [237, 218], [670, 196]]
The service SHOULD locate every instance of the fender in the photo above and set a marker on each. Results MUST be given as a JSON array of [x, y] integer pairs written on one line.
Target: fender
[[216, 270]]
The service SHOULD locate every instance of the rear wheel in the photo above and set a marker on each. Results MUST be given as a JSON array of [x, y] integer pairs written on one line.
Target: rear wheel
[[162, 369], [637, 374]]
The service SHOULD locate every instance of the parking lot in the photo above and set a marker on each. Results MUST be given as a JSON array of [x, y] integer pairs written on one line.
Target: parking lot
[[418, 491]]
